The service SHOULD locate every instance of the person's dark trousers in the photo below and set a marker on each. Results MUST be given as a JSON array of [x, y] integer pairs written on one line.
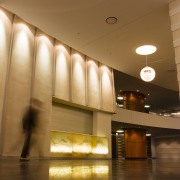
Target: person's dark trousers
[[25, 150]]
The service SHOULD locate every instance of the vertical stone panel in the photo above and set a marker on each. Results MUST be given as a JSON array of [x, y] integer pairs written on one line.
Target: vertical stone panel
[[71, 119], [93, 84], [6, 19], [62, 71], [174, 11], [78, 78], [107, 100], [42, 90], [18, 87], [102, 127]]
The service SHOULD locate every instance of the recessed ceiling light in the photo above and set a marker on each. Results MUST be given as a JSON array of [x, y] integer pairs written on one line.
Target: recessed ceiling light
[[120, 131], [111, 20], [146, 49], [120, 98], [120, 105]]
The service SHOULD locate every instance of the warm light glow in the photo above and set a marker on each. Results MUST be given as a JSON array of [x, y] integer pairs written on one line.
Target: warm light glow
[[147, 74], [100, 169], [78, 78], [147, 106], [3, 36], [60, 172], [120, 98], [177, 114], [82, 148], [44, 56], [146, 50], [120, 131], [70, 143], [106, 81], [120, 105], [61, 149], [101, 146], [93, 83], [148, 134], [80, 172]]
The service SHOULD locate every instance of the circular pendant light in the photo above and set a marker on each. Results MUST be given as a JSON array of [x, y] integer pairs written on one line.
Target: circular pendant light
[[146, 50], [147, 74]]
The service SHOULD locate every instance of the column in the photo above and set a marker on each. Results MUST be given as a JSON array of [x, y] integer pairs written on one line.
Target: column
[[102, 127]]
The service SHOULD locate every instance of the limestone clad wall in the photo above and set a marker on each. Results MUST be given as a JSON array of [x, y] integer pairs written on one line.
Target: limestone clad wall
[[33, 64], [174, 12]]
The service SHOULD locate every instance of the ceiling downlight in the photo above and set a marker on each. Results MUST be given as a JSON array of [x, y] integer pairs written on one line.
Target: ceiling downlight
[[111, 20]]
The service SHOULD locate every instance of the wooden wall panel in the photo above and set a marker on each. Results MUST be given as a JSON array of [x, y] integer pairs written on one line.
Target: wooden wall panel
[[6, 19], [78, 78], [42, 90], [93, 84], [62, 71], [18, 87], [135, 143]]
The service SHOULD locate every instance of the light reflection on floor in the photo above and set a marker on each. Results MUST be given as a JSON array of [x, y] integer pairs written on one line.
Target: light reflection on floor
[[79, 169], [79, 172], [150, 169]]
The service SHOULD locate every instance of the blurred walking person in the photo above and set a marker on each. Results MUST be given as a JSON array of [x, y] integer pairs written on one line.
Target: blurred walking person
[[29, 122]]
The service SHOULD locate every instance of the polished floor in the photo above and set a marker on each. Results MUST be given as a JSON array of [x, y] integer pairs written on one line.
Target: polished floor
[[164, 169]]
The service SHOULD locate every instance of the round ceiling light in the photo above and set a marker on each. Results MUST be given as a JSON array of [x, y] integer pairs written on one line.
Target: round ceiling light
[[111, 20], [147, 74], [146, 49]]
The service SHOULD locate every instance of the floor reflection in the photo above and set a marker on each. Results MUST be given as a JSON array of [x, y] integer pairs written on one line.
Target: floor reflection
[[151, 169], [79, 170]]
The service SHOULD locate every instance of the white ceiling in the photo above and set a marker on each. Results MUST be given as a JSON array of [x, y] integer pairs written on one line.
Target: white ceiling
[[82, 25]]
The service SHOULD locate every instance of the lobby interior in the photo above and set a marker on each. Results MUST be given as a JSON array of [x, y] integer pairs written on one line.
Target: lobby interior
[[84, 68]]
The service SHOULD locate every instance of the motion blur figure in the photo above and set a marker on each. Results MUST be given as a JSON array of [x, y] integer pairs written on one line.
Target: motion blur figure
[[29, 122]]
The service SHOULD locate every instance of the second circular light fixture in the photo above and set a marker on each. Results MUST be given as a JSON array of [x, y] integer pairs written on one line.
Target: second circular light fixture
[[147, 73]]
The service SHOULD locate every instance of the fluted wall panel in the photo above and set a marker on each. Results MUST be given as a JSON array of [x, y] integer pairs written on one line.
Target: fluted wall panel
[[6, 19], [34, 64], [93, 83], [18, 86], [42, 90], [174, 12], [107, 100], [78, 78], [62, 71]]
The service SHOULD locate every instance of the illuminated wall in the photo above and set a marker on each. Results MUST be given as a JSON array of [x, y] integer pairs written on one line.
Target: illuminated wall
[[79, 145], [174, 12], [18, 85], [6, 19], [33, 64]]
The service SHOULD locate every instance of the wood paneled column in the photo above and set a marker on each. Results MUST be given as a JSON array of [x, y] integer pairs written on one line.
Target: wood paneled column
[[135, 143]]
